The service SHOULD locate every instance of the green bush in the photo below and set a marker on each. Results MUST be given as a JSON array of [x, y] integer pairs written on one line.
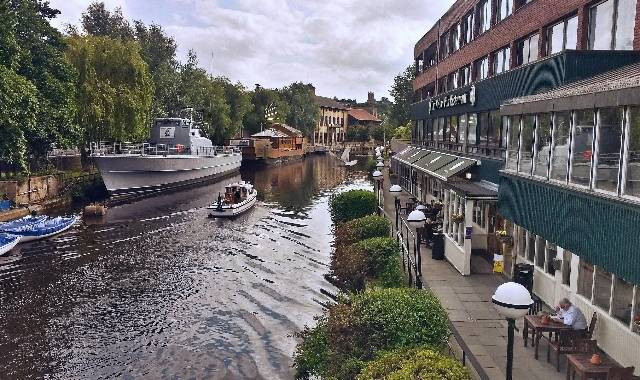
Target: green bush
[[376, 260], [352, 205], [362, 228], [369, 323], [416, 363], [312, 353]]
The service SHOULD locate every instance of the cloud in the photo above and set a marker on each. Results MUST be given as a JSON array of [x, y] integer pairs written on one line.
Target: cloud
[[345, 47]]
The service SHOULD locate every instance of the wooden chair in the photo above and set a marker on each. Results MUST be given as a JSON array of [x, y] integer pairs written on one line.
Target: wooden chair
[[592, 326], [568, 342], [620, 373], [535, 308]]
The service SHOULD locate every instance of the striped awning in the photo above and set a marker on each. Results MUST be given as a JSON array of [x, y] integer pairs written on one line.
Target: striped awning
[[443, 165]]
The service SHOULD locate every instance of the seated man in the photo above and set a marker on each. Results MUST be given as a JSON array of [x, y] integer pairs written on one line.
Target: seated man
[[570, 315]]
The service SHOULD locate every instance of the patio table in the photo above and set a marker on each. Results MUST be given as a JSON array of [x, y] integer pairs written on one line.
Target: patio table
[[534, 322], [580, 364]]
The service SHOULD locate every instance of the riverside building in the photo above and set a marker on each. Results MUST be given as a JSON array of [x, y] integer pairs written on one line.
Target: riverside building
[[527, 121]]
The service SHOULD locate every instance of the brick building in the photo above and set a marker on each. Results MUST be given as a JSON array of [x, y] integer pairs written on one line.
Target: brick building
[[527, 123]]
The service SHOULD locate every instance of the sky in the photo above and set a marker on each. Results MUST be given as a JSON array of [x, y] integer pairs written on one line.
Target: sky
[[346, 48]]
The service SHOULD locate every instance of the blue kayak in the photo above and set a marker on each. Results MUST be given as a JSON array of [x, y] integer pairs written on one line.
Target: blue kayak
[[37, 227], [7, 242]]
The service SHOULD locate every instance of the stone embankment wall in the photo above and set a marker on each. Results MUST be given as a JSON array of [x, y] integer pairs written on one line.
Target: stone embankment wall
[[31, 190]]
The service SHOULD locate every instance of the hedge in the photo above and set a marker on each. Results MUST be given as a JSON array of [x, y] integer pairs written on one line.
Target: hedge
[[312, 353], [362, 228], [351, 205], [415, 363]]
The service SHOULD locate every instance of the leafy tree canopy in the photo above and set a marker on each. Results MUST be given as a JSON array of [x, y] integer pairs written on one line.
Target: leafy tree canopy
[[402, 92]]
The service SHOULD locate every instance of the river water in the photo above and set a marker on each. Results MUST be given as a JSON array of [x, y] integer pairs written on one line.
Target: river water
[[155, 289]]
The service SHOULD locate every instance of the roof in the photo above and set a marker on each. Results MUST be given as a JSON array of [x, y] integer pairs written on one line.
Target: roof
[[322, 101], [612, 88], [271, 133], [362, 115], [291, 131], [472, 190]]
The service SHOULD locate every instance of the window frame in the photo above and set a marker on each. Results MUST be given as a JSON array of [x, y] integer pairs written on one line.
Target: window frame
[[614, 24]]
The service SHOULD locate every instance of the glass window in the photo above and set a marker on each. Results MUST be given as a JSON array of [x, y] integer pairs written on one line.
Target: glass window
[[444, 45], [471, 128], [552, 253], [429, 126], [483, 128], [503, 131], [624, 24], [522, 242], [454, 38], [602, 289], [467, 29], [494, 128], [582, 148], [555, 39], [462, 129], [632, 185], [543, 144], [533, 47], [505, 8], [445, 133], [442, 85], [465, 76], [526, 143], [560, 157], [585, 279], [566, 267], [514, 137], [482, 68], [527, 50], [439, 131], [531, 246], [571, 35], [501, 60], [601, 26], [540, 251], [622, 300], [484, 16], [609, 144], [453, 133]]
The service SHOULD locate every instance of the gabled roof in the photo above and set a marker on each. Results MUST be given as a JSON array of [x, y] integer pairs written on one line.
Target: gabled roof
[[291, 131], [271, 133], [325, 102], [362, 115]]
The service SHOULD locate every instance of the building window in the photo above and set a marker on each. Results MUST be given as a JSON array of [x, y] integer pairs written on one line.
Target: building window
[[540, 251], [465, 76], [462, 129], [483, 128], [527, 50], [453, 129], [622, 301], [484, 16], [531, 246], [442, 85], [504, 9], [439, 130], [466, 29], [566, 267], [609, 147], [494, 129], [452, 81], [542, 146], [454, 38], [472, 128], [501, 61], [560, 156], [611, 25], [582, 147], [632, 184], [562, 36], [551, 254], [513, 143], [444, 45], [602, 289], [481, 68], [526, 143], [585, 279]]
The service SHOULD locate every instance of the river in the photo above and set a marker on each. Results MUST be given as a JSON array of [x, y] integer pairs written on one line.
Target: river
[[155, 289]]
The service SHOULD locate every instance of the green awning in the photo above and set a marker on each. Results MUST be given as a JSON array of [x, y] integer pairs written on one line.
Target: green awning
[[403, 153], [436, 161], [459, 165], [416, 156], [423, 161]]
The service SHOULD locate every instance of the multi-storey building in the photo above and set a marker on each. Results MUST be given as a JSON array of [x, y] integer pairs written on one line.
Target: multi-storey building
[[526, 119], [332, 125]]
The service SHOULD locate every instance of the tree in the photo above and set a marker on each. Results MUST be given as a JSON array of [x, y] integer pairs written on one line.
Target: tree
[[402, 92], [302, 111], [159, 52], [239, 102], [114, 89], [261, 99], [98, 21]]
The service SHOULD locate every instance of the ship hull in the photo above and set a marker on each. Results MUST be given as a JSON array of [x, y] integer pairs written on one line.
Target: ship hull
[[134, 174]]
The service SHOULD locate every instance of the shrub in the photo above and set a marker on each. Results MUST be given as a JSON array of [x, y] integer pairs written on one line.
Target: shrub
[[352, 205], [417, 363], [362, 228], [311, 356], [376, 259]]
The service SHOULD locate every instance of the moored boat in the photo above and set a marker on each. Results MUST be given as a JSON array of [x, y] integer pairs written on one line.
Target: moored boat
[[7, 242], [38, 227], [238, 198]]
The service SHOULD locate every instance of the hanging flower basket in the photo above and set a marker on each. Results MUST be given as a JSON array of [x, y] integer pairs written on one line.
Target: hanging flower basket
[[457, 218]]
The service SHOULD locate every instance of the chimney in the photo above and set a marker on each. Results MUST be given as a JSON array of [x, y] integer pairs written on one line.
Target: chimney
[[371, 98]]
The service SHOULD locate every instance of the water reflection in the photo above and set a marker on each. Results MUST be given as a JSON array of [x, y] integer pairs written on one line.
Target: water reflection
[[157, 290]]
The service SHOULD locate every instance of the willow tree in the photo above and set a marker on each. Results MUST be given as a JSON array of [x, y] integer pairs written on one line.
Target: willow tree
[[114, 90]]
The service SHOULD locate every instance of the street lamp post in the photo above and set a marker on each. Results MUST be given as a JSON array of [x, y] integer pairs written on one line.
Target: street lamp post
[[512, 301], [416, 220], [377, 176], [396, 189]]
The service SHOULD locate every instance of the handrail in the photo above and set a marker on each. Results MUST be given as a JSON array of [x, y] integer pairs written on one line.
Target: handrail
[[146, 149]]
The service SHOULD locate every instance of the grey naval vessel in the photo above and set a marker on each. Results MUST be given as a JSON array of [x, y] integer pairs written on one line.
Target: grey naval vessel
[[175, 155]]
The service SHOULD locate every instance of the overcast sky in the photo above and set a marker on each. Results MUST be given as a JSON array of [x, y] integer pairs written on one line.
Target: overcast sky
[[344, 47]]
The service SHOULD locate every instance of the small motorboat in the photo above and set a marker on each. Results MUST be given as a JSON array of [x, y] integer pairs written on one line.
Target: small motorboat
[[238, 198], [7, 242], [37, 227]]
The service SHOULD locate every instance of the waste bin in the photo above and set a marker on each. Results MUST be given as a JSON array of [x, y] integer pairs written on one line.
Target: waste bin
[[437, 252], [523, 275]]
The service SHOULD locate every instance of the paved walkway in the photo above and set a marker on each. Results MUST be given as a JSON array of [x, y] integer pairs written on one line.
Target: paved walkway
[[468, 303]]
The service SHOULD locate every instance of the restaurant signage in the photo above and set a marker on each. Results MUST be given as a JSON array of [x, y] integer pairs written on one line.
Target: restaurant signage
[[468, 97]]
